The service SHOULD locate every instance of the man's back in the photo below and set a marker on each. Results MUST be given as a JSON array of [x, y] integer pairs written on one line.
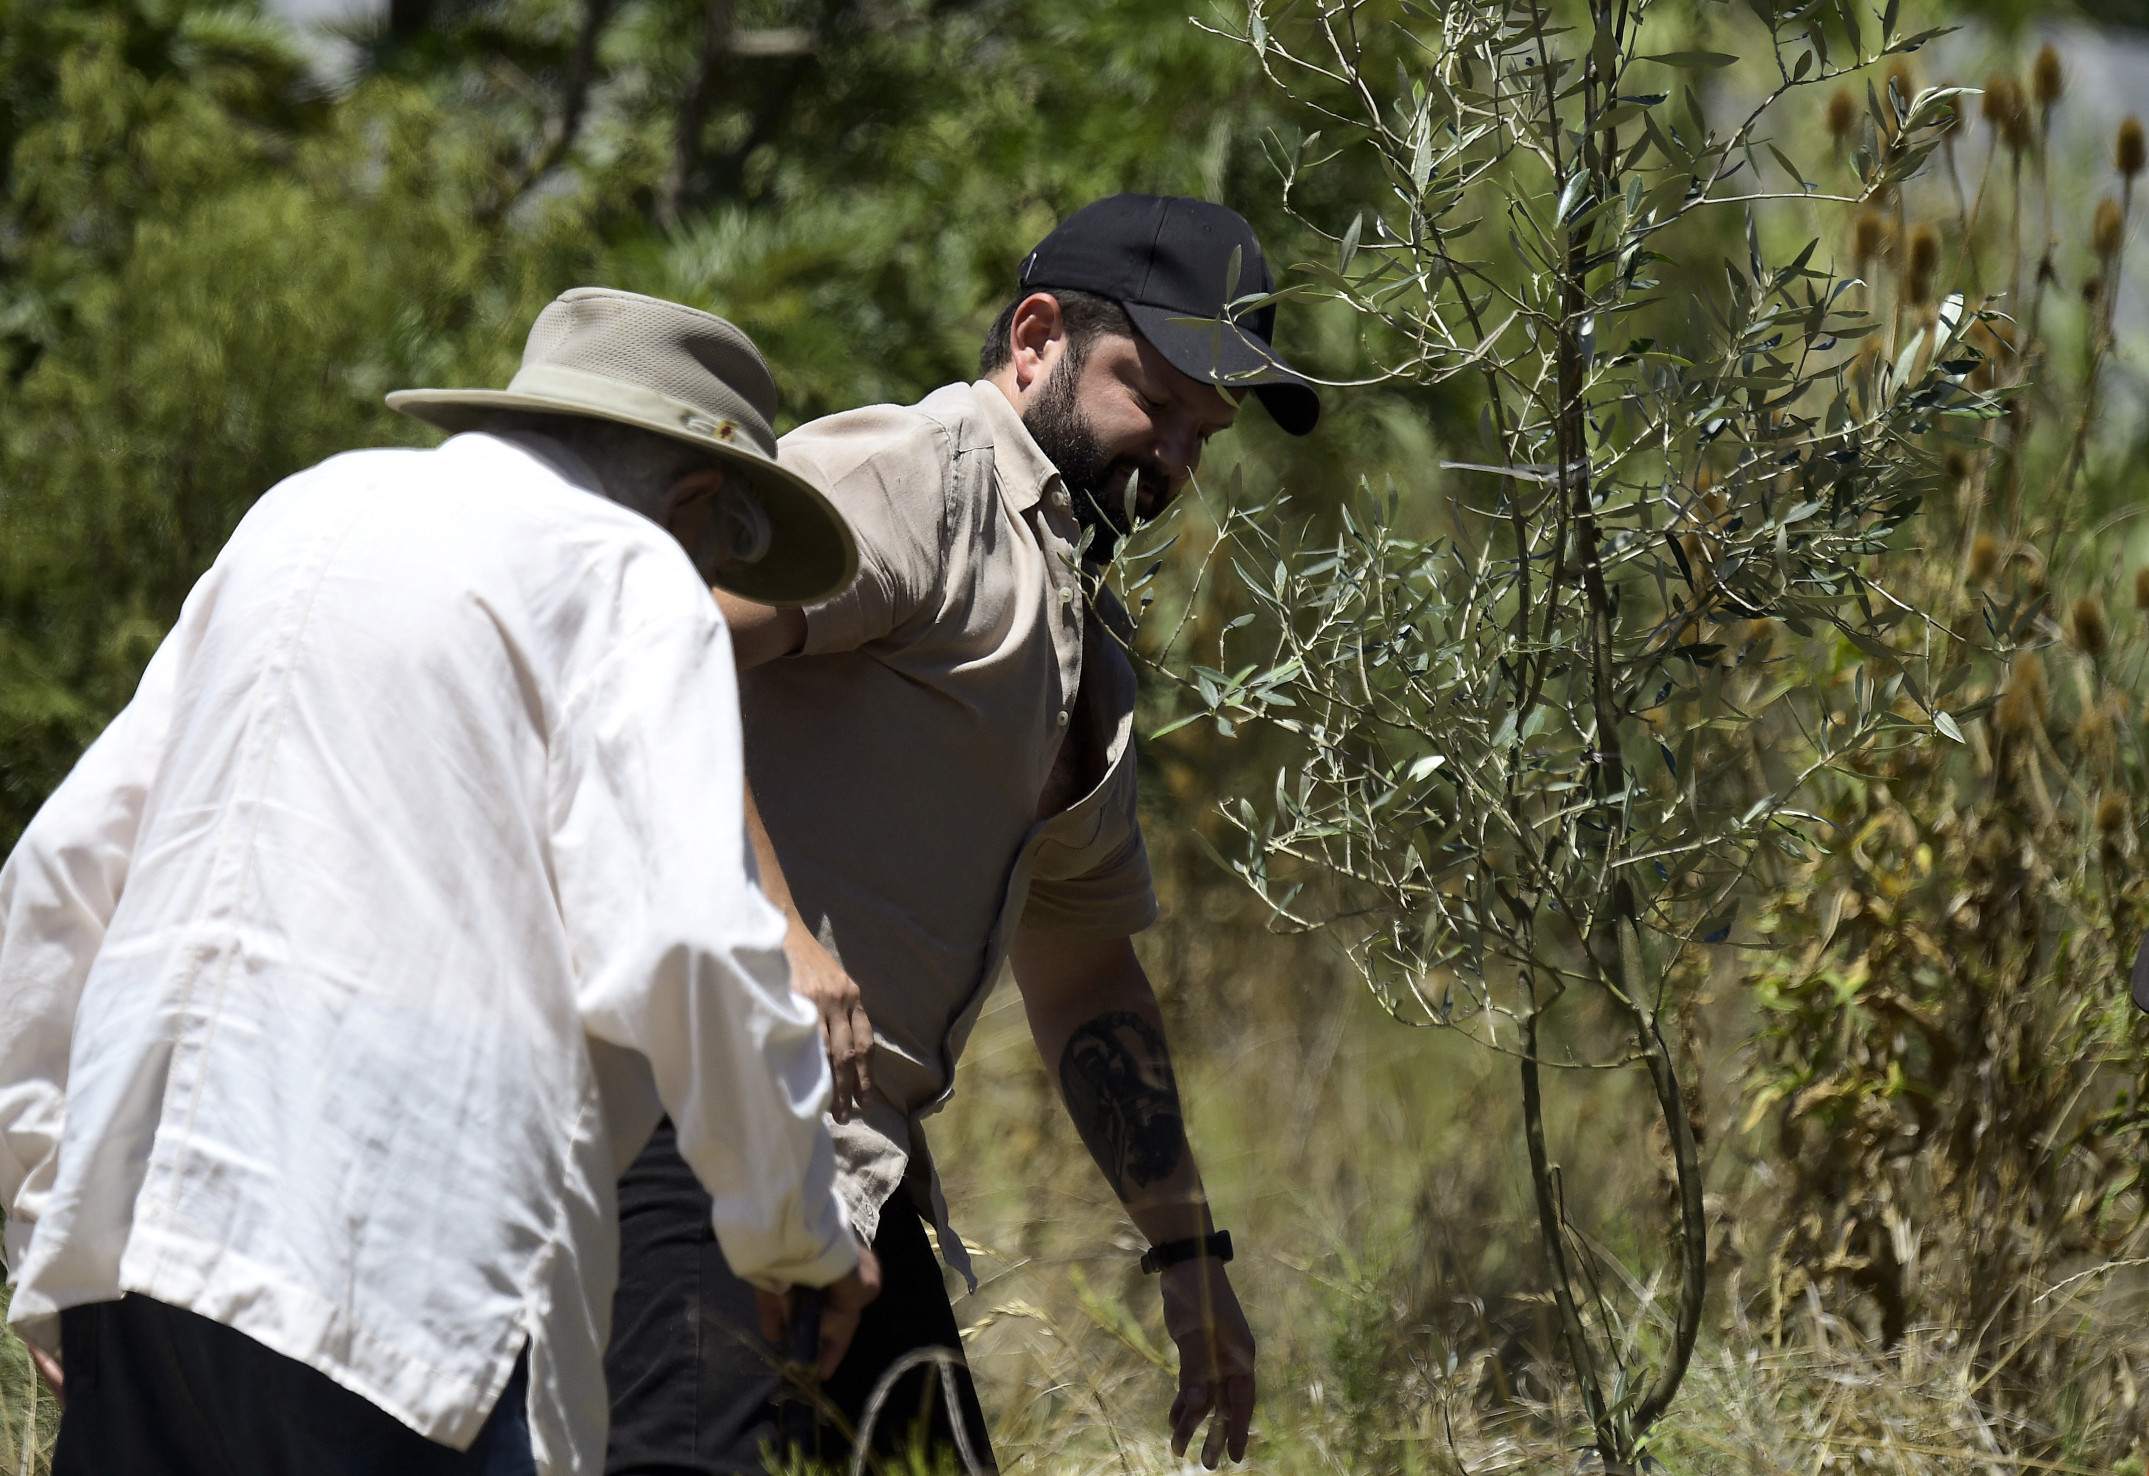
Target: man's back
[[329, 1079]]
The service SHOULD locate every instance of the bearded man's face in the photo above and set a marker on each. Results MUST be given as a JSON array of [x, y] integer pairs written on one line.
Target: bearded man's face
[[1115, 418]]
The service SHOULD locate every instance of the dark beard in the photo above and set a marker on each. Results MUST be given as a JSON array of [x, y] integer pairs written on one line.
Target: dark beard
[[1096, 481]]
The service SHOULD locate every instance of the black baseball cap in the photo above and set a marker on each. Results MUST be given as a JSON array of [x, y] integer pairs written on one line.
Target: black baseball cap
[[1166, 259]]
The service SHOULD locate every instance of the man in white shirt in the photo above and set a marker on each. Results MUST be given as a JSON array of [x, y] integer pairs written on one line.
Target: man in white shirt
[[344, 975]]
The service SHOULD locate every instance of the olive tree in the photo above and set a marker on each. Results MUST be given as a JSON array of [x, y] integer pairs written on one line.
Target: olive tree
[[1552, 734]]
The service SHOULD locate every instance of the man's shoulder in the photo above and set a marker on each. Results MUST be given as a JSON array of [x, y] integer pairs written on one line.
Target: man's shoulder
[[464, 467], [521, 512], [327, 491], [936, 432], [539, 484], [363, 465]]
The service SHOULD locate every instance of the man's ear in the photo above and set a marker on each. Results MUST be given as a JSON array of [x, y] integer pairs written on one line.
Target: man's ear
[[1037, 335], [702, 482]]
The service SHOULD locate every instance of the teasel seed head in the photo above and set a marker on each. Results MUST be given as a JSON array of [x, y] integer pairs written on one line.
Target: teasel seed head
[[2002, 100], [2027, 674], [2093, 731], [2131, 151], [2108, 230], [1869, 236], [2018, 131], [1984, 560], [2015, 714], [2008, 111], [1842, 114], [1924, 251], [2111, 813], [1995, 350], [2091, 635], [2047, 80]]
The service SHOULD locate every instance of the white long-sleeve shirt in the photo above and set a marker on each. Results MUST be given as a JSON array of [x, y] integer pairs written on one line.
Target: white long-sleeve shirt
[[347, 970]]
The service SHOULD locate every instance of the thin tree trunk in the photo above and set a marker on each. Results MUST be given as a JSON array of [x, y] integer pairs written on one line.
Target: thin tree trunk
[[1553, 1236], [1686, 1172], [1616, 946], [574, 109], [717, 18]]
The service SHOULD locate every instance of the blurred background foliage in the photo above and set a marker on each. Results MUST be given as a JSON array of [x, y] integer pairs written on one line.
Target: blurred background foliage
[[223, 237]]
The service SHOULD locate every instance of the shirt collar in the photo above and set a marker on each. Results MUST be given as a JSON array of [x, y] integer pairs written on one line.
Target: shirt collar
[[555, 457], [1023, 469]]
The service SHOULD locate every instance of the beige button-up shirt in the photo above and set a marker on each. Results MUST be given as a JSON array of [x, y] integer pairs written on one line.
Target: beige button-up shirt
[[900, 760]]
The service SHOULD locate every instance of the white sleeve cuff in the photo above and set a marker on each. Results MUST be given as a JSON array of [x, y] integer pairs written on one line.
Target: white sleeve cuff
[[836, 1259]]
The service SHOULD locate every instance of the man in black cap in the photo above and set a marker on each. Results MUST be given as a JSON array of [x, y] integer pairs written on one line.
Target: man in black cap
[[942, 781]]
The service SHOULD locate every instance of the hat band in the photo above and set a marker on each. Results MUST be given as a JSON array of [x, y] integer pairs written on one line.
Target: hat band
[[604, 395]]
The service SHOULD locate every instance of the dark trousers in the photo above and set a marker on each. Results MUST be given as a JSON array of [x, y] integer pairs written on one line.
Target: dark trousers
[[153, 1390], [695, 1389]]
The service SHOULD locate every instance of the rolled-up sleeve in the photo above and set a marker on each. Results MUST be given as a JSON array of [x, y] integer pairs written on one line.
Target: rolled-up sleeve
[[58, 892], [679, 956], [1102, 889]]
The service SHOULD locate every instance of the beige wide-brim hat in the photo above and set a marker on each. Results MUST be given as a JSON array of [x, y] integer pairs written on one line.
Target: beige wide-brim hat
[[683, 373]]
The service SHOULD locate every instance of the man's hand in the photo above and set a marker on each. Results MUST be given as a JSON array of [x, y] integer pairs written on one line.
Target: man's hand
[[842, 1302], [48, 1369], [846, 1034], [1216, 1359]]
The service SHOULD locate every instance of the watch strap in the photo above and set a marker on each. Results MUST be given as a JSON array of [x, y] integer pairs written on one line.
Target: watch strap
[[1216, 1246]]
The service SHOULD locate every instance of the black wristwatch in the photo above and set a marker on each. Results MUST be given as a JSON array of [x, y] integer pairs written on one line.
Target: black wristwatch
[[1216, 1246]]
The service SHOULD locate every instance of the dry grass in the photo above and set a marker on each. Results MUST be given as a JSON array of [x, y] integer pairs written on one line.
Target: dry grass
[[28, 1417], [1373, 1176]]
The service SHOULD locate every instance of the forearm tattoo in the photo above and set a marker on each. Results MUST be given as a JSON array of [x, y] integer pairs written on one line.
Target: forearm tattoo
[[1117, 1078]]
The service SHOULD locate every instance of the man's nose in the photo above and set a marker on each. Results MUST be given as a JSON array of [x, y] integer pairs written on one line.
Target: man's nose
[[1179, 453]]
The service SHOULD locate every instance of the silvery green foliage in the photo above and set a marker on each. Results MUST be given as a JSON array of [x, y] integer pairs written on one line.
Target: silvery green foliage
[[1549, 734], [1687, 460]]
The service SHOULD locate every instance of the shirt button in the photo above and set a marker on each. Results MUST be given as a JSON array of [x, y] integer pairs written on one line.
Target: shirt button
[[1067, 597], [1063, 717]]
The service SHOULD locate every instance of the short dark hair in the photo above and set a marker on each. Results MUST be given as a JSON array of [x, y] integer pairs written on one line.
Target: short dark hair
[[1085, 315]]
